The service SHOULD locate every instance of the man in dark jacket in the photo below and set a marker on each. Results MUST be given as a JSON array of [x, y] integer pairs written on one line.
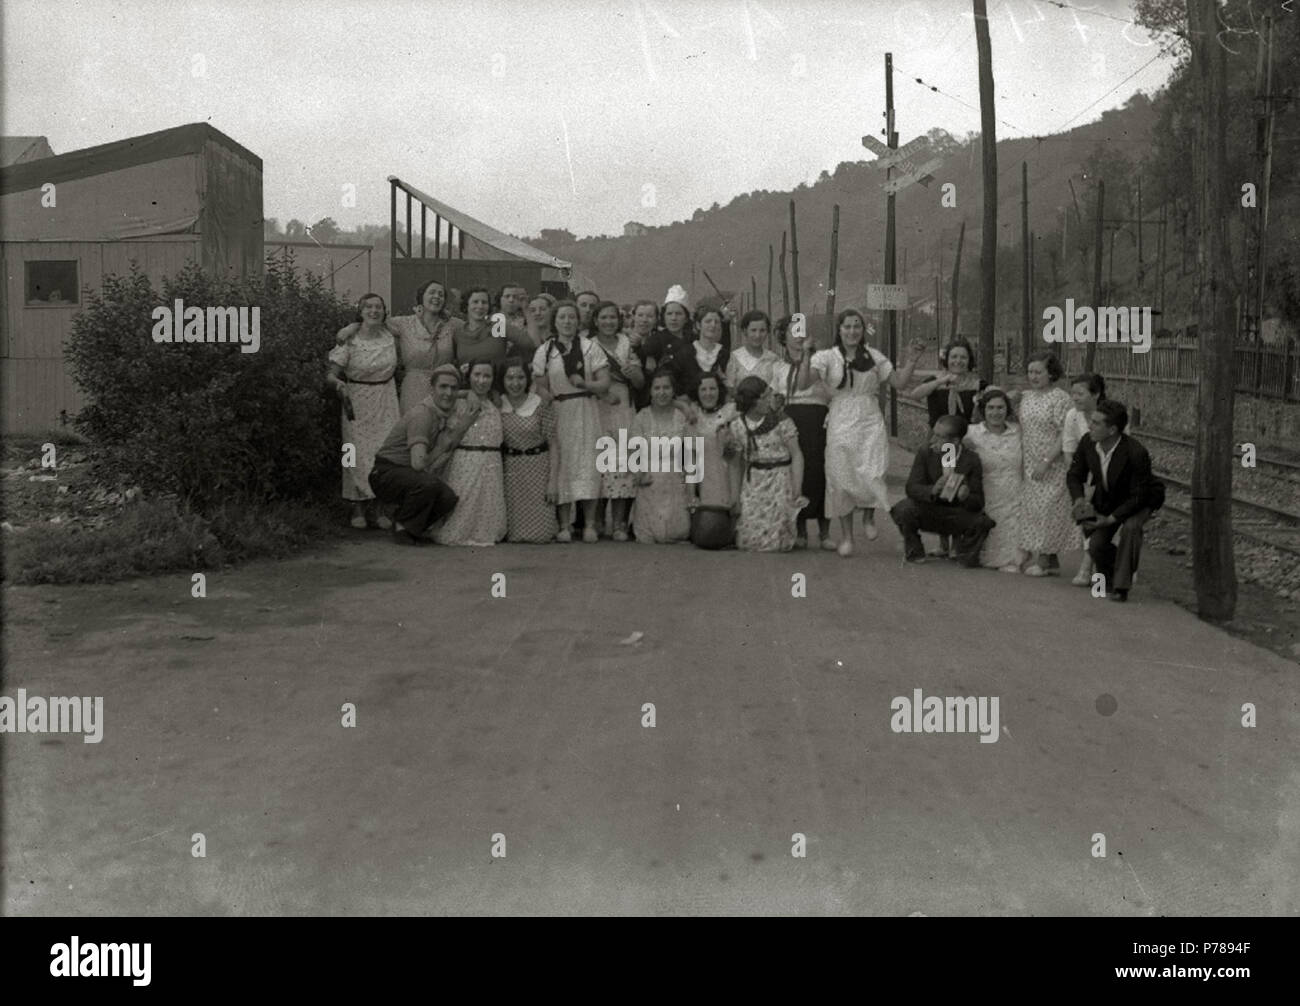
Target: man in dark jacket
[[1124, 493], [945, 495]]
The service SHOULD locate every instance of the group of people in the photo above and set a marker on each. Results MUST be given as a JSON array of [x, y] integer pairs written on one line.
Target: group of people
[[484, 427]]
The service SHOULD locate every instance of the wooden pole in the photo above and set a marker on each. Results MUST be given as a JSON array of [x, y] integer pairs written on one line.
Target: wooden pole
[[1266, 177], [835, 259], [891, 274], [1090, 353], [956, 277], [989, 244], [785, 287], [770, 256], [1141, 266], [794, 257], [1033, 290], [1026, 316], [753, 293], [1213, 568]]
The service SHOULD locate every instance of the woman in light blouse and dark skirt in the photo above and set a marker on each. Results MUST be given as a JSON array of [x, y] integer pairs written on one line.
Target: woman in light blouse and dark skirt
[[361, 374], [808, 409]]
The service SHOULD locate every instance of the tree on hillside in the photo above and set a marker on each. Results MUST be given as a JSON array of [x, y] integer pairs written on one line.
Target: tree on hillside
[[295, 230], [271, 228], [942, 142], [551, 235]]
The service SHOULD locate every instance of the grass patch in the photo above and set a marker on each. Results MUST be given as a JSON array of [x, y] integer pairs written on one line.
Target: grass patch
[[155, 536]]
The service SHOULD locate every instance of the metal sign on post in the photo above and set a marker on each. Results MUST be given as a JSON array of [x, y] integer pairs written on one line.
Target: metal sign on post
[[886, 156], [911, 174], [912, 162], [886, 297]]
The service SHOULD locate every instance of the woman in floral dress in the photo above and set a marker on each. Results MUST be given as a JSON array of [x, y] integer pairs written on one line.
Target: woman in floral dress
[[1046, 527], [616, 412], [474, 472], [768, 443], [660, 512], [997, 442], [361, 372], [532, 457], [709, 419]]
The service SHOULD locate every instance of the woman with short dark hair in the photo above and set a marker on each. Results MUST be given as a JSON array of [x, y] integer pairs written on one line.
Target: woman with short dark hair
[[807, 408], [752, 358], [1087, 391], [531, 457], [768, 497], [660, 512], [996, 440], [474, 472]]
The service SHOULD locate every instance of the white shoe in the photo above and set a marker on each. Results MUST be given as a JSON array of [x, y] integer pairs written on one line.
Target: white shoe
[[1083, 578], [1010, 567], [846, 547], [869, 528], [1035, 570], [828, 545]]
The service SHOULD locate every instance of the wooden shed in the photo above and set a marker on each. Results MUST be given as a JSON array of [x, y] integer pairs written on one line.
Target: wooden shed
[[460, 252], [163, 199]]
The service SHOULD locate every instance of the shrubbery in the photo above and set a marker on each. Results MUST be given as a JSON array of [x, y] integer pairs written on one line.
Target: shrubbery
[[205, 421]]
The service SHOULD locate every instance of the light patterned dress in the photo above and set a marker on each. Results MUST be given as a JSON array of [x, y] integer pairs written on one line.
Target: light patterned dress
[[368, 364], [528, 477], [659, 513], [767, 523], [577, 418], [475, 476], [1045, 523], [1000, 457], [857, 439], [420, 351], [744, 364], [714, 488], [617, 415]]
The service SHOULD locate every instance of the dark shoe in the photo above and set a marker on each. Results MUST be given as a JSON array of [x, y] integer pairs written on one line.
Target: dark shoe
[[404, 537], [915, 560], [1117, 595]]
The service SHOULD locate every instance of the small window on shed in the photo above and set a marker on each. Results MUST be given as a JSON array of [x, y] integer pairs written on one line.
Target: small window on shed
[[53, 282]]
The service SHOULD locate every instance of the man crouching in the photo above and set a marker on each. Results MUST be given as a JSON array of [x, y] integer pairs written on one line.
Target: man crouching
[[945, 495], [407, 466]]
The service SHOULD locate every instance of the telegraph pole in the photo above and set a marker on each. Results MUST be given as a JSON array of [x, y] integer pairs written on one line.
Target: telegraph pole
[[1090, 353], [1026, 316], [989, 142], [891, 272]]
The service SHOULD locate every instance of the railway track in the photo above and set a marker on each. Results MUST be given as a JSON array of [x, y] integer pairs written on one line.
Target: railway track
[[1289, 470]]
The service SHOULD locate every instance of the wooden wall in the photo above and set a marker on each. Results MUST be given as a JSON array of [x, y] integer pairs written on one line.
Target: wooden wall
[[34, 381]]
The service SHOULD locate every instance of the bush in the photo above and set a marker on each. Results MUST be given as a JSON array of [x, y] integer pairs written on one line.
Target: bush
[[206, 421]]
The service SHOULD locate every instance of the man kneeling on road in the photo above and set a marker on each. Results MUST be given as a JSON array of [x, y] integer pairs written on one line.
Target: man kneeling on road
[[945, 495], [1124, 494], [407, 466]]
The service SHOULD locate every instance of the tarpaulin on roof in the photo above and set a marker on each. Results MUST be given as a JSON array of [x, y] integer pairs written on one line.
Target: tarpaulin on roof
[[489, 236]]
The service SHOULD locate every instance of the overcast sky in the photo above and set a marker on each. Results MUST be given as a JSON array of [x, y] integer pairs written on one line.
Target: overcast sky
[[558, 114]]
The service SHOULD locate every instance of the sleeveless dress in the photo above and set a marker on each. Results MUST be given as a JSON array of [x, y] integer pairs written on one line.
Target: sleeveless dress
[[857, 438], [659, 513], [766, 520], [1045, 522], [1000, 457], [529, 518], [368, 365], [474, 474]]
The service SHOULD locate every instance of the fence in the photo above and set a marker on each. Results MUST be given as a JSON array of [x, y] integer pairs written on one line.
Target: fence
[[1265, 371]]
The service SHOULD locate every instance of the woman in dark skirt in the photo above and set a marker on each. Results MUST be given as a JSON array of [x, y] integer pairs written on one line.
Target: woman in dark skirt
[[808, 410]]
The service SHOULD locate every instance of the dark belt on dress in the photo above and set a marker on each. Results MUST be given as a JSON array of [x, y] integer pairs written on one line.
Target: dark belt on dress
[[515, 452], [475, 447], [352, 380], [574, 394], [764, 465]]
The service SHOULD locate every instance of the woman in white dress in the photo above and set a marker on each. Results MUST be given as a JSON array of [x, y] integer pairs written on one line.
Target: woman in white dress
[[475, 472], [997, 442], [572, 370], [857, 439], [752, 358], [1046, 527], [616, 411]]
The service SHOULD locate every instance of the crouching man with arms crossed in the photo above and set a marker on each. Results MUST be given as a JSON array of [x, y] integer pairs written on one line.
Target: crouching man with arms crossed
[[945, 495], [407, 466]]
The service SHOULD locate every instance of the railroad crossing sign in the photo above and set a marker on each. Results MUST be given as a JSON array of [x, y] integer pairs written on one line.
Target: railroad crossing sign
[[911, 161], [886, 297]]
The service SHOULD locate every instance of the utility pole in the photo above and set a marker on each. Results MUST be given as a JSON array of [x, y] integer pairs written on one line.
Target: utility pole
[[794, 258], [1266, 127], [835, 260], [770, 256], [989, 244], [1090, 353], [956, 277], [891, 273], [785, 288], [1213, 567], [1026, 315], [1141, 266]]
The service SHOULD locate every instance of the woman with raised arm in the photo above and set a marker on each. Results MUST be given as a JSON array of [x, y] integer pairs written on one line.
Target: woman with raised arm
[[616, 411], [857, 439], [572, 371], [425, 340], [361, 374]]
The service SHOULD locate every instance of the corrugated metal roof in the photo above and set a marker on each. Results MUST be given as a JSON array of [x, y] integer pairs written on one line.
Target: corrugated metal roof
[[502, 242]]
